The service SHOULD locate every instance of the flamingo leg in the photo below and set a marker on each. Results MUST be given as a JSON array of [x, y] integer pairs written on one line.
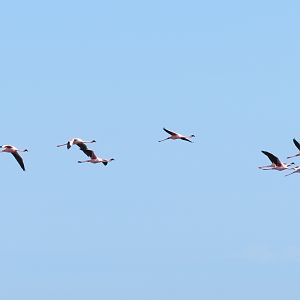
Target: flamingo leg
[[62, 145], [164, 139], [262, 167], [290, 173]]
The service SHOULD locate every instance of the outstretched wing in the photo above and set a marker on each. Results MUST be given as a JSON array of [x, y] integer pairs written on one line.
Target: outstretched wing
[[83, 147], [19, 159], [90, 153], [274, 159], [169, 131], [296, 144]]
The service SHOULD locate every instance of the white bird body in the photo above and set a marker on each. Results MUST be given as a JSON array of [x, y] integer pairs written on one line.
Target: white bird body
[[177, 136], [9, 148], [75, 141], [276, 163], [14, 151], [95, 159]]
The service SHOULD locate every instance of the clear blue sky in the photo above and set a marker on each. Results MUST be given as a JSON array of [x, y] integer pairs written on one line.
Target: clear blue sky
[[169, 220]]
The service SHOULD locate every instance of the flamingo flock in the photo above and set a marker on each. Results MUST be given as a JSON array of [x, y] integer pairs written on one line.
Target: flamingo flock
[[94, 159], [276, 163]]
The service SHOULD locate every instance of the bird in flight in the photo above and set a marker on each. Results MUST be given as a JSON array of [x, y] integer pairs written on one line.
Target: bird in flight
[[95, 159], [14, 151], [177, 136], [276, 163], [298, 146], [80, 143]]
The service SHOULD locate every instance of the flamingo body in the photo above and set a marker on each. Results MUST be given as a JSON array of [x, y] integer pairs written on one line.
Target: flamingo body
[[276, 163], [14, 151], [95, 159], [80, 143], [177, 136]]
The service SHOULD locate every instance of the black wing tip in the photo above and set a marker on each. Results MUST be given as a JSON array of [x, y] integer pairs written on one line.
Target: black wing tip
[[19, 159], [296, 143]]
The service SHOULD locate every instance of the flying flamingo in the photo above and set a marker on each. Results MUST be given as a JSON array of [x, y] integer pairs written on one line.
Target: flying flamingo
[[298, 146], [14, 151], [79, 142], [276, 163], [176, 136], [296, 170], [95, 159]]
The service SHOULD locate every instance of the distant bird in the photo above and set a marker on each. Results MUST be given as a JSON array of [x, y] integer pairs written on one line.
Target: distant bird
[[276, 163], [95, 159], [177, 136], [298, 146], [79, 142], [296, 170], [14, 151]]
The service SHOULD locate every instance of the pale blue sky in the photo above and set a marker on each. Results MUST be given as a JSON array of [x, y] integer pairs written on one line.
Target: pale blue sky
[[169, 220]]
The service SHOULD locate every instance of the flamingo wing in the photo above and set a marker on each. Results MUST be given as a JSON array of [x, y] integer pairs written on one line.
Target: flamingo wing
[[169, 131], [274, 159], [296, 144], [83, 147], [19, 159], [90, 153]]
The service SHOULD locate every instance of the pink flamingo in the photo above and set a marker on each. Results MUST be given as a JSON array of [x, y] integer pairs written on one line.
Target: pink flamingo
[[276, 163], [177, 136], [14, 151], [95, 159], [76, 141]]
